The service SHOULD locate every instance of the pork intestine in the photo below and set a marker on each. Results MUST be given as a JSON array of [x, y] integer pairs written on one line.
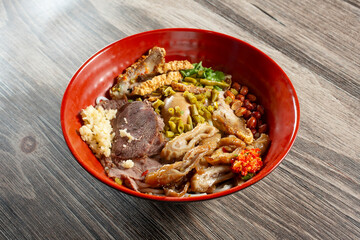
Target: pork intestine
[[176, 148]]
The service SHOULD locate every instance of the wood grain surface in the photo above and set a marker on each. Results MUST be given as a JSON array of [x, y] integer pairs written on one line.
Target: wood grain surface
[[46, 194]]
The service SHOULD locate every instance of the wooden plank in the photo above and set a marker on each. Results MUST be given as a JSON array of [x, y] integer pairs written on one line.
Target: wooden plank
[[46, 194]]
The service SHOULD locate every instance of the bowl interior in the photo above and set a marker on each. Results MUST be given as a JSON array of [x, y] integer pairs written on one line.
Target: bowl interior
[[245, 63]]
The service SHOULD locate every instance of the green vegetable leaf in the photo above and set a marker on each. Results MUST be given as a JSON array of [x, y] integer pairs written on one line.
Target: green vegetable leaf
[[220, 76], [204, 73], [248, 176]]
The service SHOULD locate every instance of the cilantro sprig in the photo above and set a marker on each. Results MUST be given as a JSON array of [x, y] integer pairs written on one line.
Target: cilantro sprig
[[203, 72]]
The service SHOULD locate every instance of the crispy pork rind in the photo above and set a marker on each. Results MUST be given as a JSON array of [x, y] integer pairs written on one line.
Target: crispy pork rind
[[262, 143], [225, 119], [180, 87], [174, 66], [146, 65], [151, 85], [183, 143]]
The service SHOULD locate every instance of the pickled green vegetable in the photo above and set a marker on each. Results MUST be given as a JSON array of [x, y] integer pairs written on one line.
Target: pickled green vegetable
[[190, 80], [180, 127], [172, 126], [213, 83], [158, 103], [177, 110], [168, 92], [214, 95], [169, 134], [171, 111], [190, 97], [207, 94], [234, 91], [210, 108], [194, 110], [228, 99]]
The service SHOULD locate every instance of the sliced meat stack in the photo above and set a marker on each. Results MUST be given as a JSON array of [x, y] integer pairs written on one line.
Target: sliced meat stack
[[137, 131], [138, 136]]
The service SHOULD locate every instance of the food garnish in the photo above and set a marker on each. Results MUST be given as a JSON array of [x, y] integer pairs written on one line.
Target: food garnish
[[247, 163]]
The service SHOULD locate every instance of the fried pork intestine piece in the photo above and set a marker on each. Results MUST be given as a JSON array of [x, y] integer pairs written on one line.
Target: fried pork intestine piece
[[151, 85], [220, 157], [180, 87], [203, 181], [213, 141], [176, 148], [173, 192], [262, 143], [174, 66], [225, 119], [180, 187], [173, 173], [146, 65], [232, 141]]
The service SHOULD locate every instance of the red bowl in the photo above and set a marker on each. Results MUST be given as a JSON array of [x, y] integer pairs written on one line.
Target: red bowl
[[245, 63]]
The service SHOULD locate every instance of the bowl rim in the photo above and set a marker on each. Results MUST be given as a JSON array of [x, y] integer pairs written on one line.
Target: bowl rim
[[128, 191]]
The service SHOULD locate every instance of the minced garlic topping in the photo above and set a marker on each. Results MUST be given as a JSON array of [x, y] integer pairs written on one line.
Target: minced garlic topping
[[97, 130], [124, 133], [127, 164]]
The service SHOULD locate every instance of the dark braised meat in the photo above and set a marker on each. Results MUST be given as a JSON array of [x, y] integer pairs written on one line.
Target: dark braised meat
[[137, 131], [112, 104], [132, 176]]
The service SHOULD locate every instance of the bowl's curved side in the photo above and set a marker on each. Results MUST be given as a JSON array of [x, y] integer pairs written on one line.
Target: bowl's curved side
[[246, 63]]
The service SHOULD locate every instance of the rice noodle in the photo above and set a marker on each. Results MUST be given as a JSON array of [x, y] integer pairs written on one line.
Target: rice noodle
[[223, 188], [99, 99], [195, 194], [152, 190]]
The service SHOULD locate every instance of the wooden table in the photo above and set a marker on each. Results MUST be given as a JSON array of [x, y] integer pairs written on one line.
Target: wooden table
[[46, 194]]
